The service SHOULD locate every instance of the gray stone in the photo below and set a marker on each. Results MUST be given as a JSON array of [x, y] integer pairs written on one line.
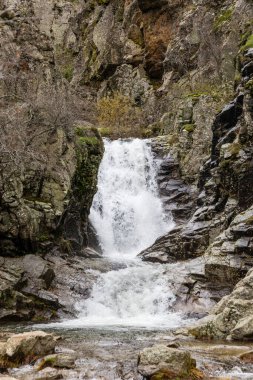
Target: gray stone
[[160, 357]]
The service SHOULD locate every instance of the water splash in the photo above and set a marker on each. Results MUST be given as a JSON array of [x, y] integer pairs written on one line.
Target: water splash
[[138, 296]]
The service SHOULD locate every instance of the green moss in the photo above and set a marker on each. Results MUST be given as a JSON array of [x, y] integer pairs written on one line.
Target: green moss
[[248, 44], [105, 132], [68, 72], [89, 140], [224, 17], [79, 131], [89, 153], [189, 127]]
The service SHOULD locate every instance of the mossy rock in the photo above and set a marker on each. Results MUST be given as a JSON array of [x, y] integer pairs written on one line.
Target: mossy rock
[[105, 132], [249, 86], [189, 127], [89, 151], [224, 17], [248, 44]]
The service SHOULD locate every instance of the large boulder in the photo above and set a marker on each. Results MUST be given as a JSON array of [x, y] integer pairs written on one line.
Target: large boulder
[[25, 347], [162, 359], [231, 318]]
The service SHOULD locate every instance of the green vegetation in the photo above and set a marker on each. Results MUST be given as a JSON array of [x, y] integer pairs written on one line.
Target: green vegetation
[[68, 72], [223, 18], [89, 140], [89, 153], [65, 61], [220, 93], [118, 114], [65, 246], [248, 44], [189, 127], [105, 132]]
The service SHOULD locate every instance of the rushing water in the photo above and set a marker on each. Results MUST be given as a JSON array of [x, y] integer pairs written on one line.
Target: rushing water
[[128, 216], [127, 212]]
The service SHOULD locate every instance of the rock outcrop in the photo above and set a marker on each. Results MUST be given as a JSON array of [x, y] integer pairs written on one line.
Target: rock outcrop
[[224, 189], [46, 287], [49, 153], [219, 223]]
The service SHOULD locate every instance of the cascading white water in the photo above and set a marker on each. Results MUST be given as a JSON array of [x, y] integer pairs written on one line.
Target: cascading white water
[[127, 212], [128, 216]]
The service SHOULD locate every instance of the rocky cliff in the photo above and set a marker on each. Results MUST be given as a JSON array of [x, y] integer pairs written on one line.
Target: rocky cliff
[[49, 153], [187, 67]]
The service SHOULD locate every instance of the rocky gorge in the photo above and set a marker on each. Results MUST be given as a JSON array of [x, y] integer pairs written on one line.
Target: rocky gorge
[[187, 68]]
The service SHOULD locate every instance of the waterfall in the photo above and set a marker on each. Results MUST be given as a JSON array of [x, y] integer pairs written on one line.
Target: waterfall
[[128, 216], [127, 212]]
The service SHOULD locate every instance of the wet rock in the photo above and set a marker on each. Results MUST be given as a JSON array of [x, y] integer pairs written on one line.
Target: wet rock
[[247, 69], [177, 196], [157, 359], [61, 360], [181, 243], [46, 374], [23, 348], [48, 276], [247, 357]]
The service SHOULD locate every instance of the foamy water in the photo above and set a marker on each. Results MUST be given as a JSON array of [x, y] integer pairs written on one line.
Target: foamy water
[[128, 216]]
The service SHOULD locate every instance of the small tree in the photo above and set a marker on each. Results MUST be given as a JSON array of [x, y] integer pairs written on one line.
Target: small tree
[[119, 117]]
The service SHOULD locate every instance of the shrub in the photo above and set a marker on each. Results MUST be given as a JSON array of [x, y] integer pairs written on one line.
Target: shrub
[[120, 116]]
